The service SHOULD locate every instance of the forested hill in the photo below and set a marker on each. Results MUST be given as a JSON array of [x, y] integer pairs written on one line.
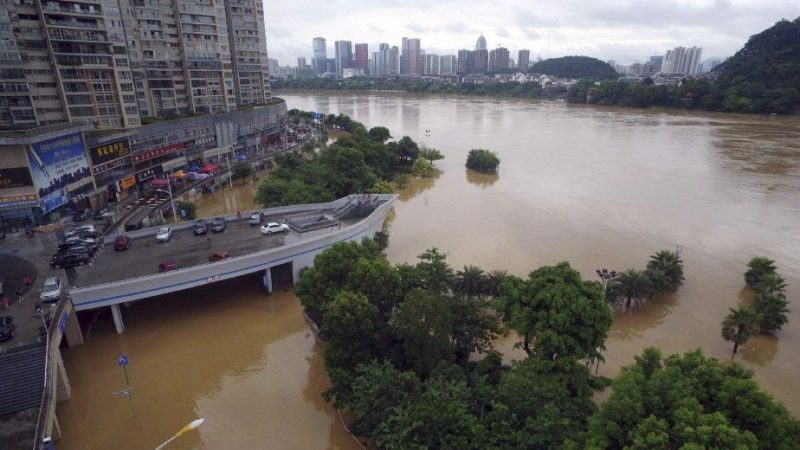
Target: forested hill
[[764, 76], [575, 67]]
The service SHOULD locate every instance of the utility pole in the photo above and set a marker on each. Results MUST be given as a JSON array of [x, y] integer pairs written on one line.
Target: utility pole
[[172, 200]]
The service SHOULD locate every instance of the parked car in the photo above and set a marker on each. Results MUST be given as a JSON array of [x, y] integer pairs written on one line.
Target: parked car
[[51, 290], [69, 259], [69, 245], [218, 225], [274, 227], [256, 218], [164, 234], [100, 214], [81, 215], [80, 235], [6, 328], [200, 227], [84, 232], [122, 243], [167, 266], [73, 239], [219, 256], [89, 228]]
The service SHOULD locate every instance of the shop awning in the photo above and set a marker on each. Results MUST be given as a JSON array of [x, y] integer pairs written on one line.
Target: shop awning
[[209, 168]]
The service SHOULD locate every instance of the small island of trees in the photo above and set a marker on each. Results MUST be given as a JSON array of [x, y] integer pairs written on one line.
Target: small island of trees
[[482, 160]]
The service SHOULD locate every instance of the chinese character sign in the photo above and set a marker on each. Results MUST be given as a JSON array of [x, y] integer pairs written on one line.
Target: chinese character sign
[[58, 162], [109, 151]]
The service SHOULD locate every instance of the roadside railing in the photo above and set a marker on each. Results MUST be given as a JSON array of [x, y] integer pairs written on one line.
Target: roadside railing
[[47, 405]]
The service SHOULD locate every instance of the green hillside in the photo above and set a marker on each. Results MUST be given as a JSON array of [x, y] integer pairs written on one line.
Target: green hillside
[[576, 67]]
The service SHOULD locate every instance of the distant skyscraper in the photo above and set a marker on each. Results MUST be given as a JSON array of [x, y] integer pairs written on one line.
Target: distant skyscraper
[[431, 66], [301, 63], [320, 55], [394, 61], [481, 62], [523, 60], [447, 65], [361, 59], [344, 56], [380, 60], [481, 43], [682, 60], [498, 59], [411, 58], [465, 62]]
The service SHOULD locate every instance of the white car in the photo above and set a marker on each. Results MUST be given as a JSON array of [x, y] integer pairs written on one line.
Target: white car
[[274, 227], [164, 234], [51, 290]]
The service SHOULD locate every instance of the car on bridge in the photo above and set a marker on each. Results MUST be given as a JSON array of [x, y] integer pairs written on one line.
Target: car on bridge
[[200, 227], [167, 266], [122, 243], [81, 215], [164, 234], [67, 245], [219, 256], [256, 218], [6, 328], [51, 290], [218, 225], [274, 227]]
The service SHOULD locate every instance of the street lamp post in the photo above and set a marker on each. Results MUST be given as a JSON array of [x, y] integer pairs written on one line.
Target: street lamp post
[[191, 426], [172, 200], [606, 275], [230, 169]]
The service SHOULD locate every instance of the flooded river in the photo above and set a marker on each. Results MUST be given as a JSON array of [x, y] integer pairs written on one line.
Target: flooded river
[[592, 186]]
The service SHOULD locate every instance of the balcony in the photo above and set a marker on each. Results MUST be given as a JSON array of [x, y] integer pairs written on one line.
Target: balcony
[[55, 8]]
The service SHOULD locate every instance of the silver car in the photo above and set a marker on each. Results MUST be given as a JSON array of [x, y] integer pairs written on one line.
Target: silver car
[[164, 234], [51, 290]]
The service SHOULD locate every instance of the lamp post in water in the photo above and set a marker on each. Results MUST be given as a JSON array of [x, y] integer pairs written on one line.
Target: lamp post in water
[[191, 426], [605, 275]]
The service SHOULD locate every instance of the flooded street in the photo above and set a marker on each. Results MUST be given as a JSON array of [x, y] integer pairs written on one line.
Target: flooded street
[[596, 187]]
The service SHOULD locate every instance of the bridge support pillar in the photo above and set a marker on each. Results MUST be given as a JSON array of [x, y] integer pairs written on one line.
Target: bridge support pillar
[[55, 429], [63, 388], [73, 331], [266, 279], [117, 318]]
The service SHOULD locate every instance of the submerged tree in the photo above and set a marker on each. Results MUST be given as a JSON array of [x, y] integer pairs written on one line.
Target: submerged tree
[[773, 308], [665, 271], [758, 267], [470, 282], [482, 160], [739, 325], [629, 286]]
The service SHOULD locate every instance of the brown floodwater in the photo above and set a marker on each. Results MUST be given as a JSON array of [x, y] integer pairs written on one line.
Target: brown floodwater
[[593, 186]]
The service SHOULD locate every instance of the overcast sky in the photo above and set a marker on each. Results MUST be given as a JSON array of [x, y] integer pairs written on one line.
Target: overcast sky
[[622, 30]]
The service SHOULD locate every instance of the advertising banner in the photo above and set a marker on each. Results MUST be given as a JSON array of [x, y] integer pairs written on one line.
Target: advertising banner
[[110, 151], [127, 182], [57, 163], [150, 154], [15, 177], [53, 200], [18, 200]]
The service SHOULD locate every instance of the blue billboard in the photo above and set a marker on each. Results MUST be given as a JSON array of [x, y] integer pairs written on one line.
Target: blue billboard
[[57, 163]]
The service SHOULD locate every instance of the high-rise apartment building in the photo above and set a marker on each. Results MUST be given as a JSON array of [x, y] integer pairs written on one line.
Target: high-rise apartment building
[[448, 65], [381, 61], [109, 62], [480, 44], [682, 60], [320, 55], [361, 58], [523, 60], [480, 62], [411, 57], [498, 59], [344, 56], [465, 63], [394, 61], [431, 65]]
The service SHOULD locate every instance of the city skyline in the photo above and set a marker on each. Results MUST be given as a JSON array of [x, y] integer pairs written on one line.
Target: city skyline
[[624, 31]]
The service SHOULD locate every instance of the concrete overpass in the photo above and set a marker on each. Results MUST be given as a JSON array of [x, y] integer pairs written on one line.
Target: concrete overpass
[[120, 277]]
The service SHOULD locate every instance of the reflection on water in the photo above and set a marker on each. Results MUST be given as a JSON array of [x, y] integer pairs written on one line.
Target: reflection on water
[[480, 179], [607, 187], [229, 201], [412, 186], [245, 362]]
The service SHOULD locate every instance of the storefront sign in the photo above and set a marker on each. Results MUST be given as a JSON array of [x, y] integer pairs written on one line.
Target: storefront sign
[[150, 154], [145, 175], [127, 182], [53, 200], [58, 162], [108, 152], [18, 200], [109, 165], [15, 177]]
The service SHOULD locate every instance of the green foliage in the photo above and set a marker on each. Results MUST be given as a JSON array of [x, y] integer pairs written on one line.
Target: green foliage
[[575, 67], [422, 167], [564, 315], [422, 325], [739, 325], [431, 154], [382, 187], [378, 389], [471, 282], [628, 287], [758, 267], [665, 271], [189, 208], [773, 308], [380, 134], [689, 402], [482, 160], [352, 329], [242, 169], [433, 273], [406, 149]]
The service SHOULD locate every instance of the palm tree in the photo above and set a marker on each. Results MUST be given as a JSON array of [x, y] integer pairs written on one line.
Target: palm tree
[[629, 285], [773, 309], [758, 267], [470, 281], [665, 270], [493, 281], [772, 283], [739, 325]]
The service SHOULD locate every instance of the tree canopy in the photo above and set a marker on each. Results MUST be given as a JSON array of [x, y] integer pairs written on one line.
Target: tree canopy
[[575, 67], [482, 160]]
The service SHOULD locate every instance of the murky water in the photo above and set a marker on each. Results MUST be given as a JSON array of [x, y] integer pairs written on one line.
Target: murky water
[[595, 187]]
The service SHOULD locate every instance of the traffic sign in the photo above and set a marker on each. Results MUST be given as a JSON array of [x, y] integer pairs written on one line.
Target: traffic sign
[[123, 360]]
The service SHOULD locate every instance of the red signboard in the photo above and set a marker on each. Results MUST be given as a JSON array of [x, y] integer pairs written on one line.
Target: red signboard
[[150, 154]]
